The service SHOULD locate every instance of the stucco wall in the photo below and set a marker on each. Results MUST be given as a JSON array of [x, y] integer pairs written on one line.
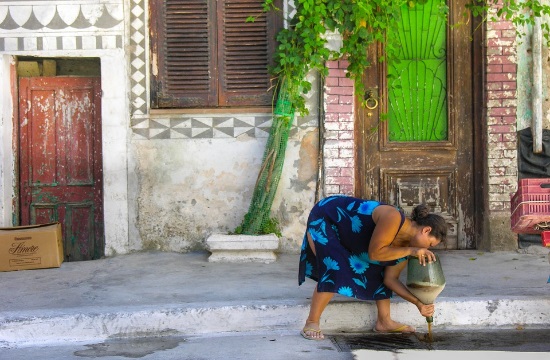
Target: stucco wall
[[191, 175], [186, 188], [7, 163]]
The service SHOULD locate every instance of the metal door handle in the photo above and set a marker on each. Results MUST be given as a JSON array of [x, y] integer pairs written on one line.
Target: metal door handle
[[370, 101]]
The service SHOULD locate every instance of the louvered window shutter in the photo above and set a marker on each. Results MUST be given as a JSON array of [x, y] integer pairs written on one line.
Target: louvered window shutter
[[244, 53], [185, 51], [205, 54]]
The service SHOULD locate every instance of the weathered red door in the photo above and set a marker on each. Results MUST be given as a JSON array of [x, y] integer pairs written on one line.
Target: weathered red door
[[61, 160]]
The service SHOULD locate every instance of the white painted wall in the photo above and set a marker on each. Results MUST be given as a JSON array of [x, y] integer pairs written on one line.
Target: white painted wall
[[115, 121], [7, 181], [183, 190]]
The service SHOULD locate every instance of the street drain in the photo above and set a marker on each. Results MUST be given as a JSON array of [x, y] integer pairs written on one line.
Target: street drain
[[380, 342]]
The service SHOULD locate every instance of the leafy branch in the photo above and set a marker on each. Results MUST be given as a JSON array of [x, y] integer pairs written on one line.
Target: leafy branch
[[520, 13], [303, 46]]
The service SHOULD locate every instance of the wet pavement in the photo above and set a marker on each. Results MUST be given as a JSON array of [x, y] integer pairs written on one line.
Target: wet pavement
[[522, 344], [519, 340]]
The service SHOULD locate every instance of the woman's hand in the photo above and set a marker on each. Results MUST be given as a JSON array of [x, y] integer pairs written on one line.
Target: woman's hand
[[426, 310], [424, 256]]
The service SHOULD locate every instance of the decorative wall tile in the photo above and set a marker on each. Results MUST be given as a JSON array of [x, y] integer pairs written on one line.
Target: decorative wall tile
[[138, 58], [61, 25], [52, 16], [53, 43], [211, 127]]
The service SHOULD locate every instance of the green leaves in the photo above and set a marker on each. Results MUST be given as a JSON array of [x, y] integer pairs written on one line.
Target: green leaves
[[362, 23], [303, 46]]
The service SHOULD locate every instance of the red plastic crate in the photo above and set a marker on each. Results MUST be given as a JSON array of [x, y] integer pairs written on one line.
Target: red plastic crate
[[530, 206], [533, 186], [533, 182], [545, 238]]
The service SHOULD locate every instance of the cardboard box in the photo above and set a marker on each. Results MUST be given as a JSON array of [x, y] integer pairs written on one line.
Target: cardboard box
[[31, 247]]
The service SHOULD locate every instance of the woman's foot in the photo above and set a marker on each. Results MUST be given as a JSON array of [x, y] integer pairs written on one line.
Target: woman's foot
[[312, 331], [393, 327]]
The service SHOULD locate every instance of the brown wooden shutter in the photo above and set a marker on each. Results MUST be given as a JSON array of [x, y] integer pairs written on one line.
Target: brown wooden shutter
[[207, 55], [244, 53], [185, 54]]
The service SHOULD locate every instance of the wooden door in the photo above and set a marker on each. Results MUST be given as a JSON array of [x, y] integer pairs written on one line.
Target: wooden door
[[416, 132], [61, 160]]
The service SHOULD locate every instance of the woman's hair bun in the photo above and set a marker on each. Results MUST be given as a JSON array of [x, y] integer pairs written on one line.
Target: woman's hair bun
[[419, 212], [422, 216]]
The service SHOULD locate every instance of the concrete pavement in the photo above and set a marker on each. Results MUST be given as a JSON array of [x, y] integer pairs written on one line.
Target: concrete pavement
[[501, 344], [173, 294]]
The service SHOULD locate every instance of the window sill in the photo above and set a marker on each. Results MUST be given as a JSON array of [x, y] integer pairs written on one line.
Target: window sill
[[212, 111]]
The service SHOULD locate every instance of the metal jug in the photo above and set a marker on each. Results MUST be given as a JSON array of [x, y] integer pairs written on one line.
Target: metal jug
[[425, 282]]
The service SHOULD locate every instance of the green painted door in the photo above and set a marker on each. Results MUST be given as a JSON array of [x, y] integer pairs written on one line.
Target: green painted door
[[417, 78], [418, 142]]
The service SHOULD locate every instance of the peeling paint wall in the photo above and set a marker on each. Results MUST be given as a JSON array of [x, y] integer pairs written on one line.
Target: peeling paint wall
[[297, 188], [187, 189], [525, 81], [6, 153]]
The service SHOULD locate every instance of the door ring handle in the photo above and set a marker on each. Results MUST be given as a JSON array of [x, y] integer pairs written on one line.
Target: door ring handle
[[373, 103]]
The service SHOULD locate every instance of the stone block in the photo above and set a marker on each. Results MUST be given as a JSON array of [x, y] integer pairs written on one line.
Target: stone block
[[242, 248], [28, 68], [49, 68]]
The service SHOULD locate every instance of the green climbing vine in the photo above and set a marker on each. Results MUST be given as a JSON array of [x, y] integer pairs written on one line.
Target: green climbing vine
[[303, 45], [361, 23], [303, 48], [520, 13]]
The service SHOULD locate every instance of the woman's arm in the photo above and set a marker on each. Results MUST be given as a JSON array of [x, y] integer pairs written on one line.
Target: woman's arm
[[387, 220], [391, 280]]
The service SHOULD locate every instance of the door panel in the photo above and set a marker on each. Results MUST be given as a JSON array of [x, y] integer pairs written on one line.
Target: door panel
[[61, 160], [416, 146]]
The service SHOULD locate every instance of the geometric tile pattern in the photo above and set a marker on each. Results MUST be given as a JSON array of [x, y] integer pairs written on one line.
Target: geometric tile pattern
[[98, 24], [210, 127], [64, 42], [61, 25], [138, 58], [50, 16]]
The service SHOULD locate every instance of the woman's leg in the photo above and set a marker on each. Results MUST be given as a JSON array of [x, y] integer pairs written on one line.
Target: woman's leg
[[319, 302], [384, 322]]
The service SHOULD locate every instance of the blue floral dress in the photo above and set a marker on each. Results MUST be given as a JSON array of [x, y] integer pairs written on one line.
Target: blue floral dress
[[341, 228]]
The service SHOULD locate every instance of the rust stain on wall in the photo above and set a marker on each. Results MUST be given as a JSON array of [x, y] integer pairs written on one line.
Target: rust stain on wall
[[306, 164]]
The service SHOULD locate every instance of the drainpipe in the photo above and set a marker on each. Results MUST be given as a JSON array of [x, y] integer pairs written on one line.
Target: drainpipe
[[320, 187], [536, 125]]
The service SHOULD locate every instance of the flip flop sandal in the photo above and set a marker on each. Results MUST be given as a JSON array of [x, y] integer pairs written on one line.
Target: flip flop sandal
[[309, 337], [396, 330]]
